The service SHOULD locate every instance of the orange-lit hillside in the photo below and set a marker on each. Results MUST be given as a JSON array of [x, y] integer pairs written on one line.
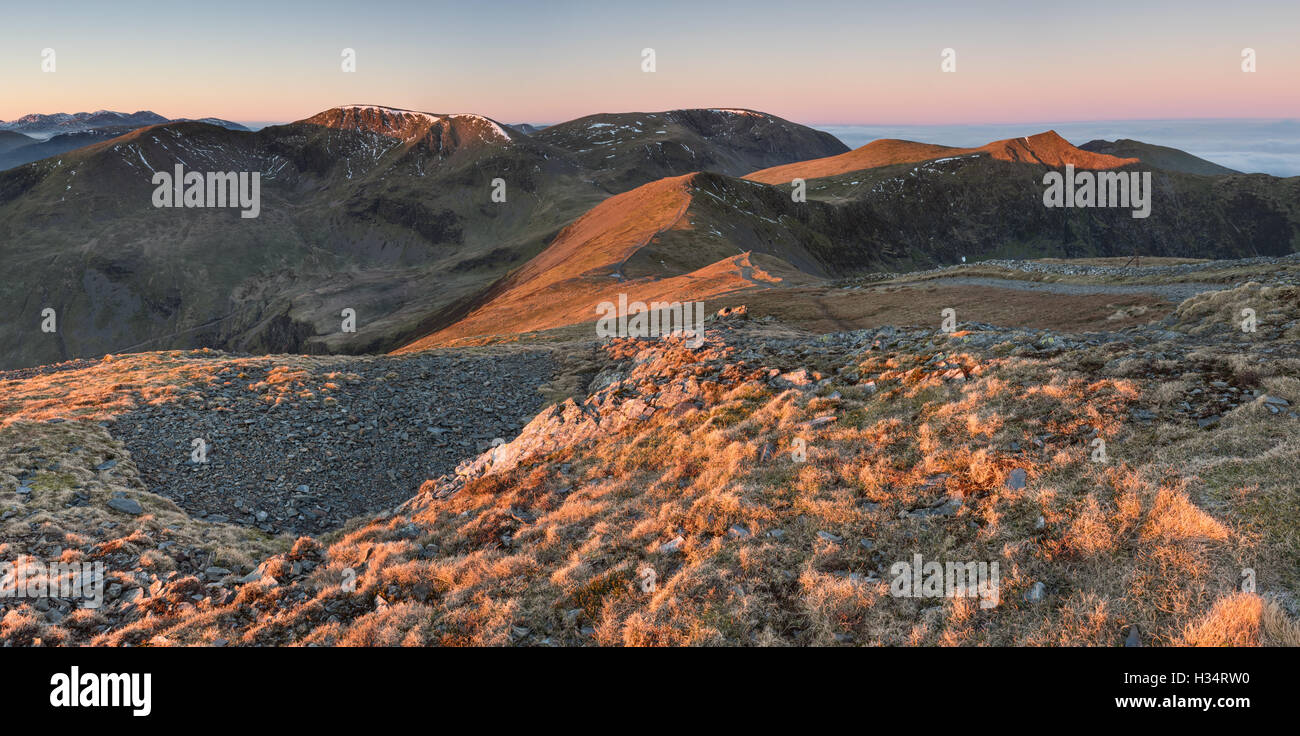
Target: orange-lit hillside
[[1044, 148], [584, 266]]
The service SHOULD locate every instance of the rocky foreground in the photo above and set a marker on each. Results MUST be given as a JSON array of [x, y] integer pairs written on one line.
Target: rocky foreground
[[755, 490]]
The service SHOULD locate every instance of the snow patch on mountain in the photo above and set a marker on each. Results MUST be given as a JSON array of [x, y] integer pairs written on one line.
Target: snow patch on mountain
[[492, 125], [735, 111]]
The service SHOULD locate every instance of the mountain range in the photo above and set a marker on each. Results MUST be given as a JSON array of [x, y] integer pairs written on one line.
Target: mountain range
[[42, 127], [391, 212], [34, 137]]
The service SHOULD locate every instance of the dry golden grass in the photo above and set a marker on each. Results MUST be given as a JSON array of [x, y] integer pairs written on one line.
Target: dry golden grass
[[821, 309], [1243, 619], [692, 470], [121, 383], [558, 548], [1219, 311]]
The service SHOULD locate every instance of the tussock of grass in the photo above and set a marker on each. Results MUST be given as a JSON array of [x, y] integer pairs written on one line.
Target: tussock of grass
[[1243, 619], [1219, 311]]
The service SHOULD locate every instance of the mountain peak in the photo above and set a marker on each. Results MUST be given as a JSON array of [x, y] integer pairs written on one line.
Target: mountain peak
[[1050, 149], [1047, 148], [44, 127], [396, 122], [882, 152], [375, 118]]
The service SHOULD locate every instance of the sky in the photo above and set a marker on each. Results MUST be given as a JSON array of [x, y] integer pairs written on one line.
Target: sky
[[822, 63]]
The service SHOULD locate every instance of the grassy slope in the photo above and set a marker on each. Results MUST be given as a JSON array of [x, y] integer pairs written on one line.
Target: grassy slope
[[547, 540], [625, 235]]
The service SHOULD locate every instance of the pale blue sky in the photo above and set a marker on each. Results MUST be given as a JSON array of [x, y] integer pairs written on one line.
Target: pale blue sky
[[820, 63]]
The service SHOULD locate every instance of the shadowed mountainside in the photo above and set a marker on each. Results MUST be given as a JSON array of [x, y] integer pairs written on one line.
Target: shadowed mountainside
[[649, 146], [1160, 157], [391, 213], [10, 140], [388, 212], [912, 206]]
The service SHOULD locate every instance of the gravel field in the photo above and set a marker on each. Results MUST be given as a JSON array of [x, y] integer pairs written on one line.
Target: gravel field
[[306, 467]]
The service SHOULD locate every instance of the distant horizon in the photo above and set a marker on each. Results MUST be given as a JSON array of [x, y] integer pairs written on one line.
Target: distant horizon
[[1211, 141], [1266, 145], [812, 124]]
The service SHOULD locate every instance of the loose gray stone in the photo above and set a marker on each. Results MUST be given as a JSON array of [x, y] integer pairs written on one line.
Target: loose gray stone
[[126, 506], [794, 379], [1134, 638], [821, 421]]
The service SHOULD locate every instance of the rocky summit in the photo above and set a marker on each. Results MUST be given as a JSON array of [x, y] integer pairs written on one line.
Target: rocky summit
[[762, 487]]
